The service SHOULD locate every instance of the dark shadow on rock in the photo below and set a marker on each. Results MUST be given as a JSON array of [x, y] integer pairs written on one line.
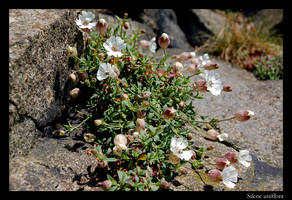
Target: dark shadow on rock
[[208, 188], [192, 27], [264, 170], [75, 147]]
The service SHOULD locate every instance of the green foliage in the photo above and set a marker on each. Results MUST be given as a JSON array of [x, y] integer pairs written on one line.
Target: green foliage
[[119, 101], [269, 68]]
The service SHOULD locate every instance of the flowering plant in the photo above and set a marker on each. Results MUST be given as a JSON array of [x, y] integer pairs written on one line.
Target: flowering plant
[[138, 107]]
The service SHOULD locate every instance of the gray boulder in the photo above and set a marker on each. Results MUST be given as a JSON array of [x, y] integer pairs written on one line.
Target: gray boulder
[[165, 21]]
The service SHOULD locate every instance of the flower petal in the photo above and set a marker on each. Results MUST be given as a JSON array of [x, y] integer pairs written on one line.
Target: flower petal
[[244, 163], [186, 155], [222, 137], [229, 184]]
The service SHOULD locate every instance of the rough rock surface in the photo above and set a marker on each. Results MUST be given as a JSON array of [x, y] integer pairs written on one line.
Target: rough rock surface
[[38, 68], [165, 21]]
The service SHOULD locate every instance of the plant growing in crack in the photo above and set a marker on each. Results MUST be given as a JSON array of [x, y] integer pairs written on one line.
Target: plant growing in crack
[[138, 109]]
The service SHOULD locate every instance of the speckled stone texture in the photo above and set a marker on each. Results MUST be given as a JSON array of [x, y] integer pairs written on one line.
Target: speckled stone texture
[[39, 65]]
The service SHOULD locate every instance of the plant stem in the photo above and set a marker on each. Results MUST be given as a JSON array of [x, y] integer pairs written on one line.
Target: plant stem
[[88, 117]]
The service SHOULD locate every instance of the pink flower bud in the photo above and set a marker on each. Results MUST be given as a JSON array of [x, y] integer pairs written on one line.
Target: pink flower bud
[[126, 25], [146, 95], [194, 61], [72, 51], [163, 41], [181, 105], [189, 136], [212, 134], [183, 56], [101, 164], [201, 85], [130, 138], [211, 66], [82, 75], [194, 155], [101, 26], [144, 44], [169, 113], [231, 157], [124, 96], [244, 115], [97, 122], [74, 93], [192, 68], [145, 103], [227, 88], [142, 113], [120, 139], [125, 15], [160, 71], [177, 67], [222, 162], [140, 125], [183, 170], [215, 175], [106, 184], [72, 77], [164, 184]]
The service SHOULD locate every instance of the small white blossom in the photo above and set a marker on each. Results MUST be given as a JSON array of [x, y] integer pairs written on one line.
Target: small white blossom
[[177, 145], [105, 70], [222, 137], [114, 46], [214, 84], [85, 20], [152, 45], [229, 176], [244, 158]]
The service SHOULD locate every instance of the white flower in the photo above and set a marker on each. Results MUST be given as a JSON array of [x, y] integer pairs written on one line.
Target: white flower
[[114, 46], [152, 45], [85, 20], [177, 145], [244, 157], [214, 84], [105, 70], [222, 137], [203, 60], [229, 176]]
